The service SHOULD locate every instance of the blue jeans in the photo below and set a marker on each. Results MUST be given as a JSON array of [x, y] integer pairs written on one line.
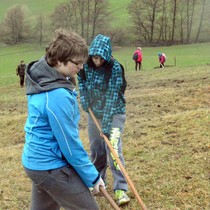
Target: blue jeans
[[62, 187], [100, 154]]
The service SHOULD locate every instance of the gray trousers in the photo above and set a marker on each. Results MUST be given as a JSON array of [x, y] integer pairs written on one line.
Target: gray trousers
[[100, 154], [53, 189]]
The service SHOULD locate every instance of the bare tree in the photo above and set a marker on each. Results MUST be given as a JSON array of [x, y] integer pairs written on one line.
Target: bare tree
[[201, 20], [75, 12], [39, 28], [181, 28], [190, 13], [62, 16], [164, 21], [163, 26], [98, 15], [14, 25], [144, 14], [84, 17], [88, 21], [141, 29], [174, 20], [81, 8]]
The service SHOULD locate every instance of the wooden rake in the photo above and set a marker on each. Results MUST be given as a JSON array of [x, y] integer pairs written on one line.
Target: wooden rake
[[133, 189], [109, 198]]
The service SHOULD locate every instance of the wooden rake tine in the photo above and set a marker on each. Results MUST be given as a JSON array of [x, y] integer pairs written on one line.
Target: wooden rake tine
[[133, 189], [109, 198]]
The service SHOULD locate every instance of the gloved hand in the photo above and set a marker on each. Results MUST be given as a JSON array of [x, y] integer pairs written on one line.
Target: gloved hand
[[98, 184]]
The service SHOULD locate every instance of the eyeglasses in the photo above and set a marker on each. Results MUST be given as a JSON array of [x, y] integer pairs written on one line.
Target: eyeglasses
[[78, 65]]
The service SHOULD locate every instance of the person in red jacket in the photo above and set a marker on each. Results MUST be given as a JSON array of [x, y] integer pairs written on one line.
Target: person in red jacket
[[162, 59], [137, 57]]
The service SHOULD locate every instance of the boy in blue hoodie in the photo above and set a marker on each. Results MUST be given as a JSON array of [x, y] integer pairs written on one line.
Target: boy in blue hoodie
[[108, 105], [53, 155]]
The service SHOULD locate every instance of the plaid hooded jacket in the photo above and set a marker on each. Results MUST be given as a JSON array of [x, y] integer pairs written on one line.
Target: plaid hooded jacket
[[104, 99]]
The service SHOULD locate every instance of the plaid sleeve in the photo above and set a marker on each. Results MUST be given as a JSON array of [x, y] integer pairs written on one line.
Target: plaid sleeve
[[112, 95], [83, 93]]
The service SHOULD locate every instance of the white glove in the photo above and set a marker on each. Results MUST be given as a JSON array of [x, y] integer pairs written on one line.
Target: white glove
[[98, 184]]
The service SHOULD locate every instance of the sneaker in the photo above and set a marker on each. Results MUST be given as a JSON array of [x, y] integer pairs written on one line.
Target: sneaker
[[121, 197]]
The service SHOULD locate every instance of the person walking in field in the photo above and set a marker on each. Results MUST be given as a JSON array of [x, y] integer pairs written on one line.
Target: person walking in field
[[162, 59], [138, 58], [20, 70], [108, 105], [53, 155]]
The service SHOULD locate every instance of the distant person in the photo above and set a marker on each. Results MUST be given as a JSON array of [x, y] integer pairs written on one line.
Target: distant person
[[137, 57], [162, 59], [53, 155], [21, 72], [108, 105]]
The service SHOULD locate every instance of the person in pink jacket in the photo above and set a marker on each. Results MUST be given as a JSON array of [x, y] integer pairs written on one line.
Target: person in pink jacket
[[162, 59], [137, 57]]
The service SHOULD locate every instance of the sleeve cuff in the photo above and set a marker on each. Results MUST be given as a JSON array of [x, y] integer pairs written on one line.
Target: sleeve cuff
[[96, 180]]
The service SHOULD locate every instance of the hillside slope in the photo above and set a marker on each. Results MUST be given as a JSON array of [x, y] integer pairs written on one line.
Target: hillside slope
[[165, 141]]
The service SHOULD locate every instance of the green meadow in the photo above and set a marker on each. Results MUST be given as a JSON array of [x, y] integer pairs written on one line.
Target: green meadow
[[180, 55]]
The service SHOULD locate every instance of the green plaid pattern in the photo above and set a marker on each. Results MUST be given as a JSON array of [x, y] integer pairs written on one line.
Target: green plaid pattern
[[104, 99], [101, 46]]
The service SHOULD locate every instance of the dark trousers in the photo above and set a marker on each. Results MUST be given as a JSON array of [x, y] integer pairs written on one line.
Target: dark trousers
[[22, 78], [101, 155], [62, 187], [138, 66], [161, 65]]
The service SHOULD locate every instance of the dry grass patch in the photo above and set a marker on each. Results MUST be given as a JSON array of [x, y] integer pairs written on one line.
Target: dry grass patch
[[166, 141]]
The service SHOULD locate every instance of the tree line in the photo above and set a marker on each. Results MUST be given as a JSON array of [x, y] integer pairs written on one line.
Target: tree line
[[169, 21], [151, 22]]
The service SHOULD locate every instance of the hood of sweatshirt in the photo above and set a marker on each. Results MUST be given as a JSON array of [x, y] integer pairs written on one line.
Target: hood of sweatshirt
[[101, 46], [40, 77]]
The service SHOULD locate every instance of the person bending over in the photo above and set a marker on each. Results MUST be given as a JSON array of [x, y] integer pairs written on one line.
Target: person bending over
[[108, 105]]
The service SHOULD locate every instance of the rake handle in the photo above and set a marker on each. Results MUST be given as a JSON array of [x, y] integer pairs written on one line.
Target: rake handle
[[133, 189], [109, 198]]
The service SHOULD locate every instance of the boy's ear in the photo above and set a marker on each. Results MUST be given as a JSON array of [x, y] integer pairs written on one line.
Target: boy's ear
[[59, 63]]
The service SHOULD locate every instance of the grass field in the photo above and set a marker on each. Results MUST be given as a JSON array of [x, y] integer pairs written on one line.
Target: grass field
[[185, 55], [166, 139]]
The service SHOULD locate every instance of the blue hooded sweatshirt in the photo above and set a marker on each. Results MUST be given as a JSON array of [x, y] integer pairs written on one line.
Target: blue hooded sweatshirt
[[52, 133]]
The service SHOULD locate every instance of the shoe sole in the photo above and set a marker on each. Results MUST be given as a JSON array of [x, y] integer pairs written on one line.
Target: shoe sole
[[123, 202]]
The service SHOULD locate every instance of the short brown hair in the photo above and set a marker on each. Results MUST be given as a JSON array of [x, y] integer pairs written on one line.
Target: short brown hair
[[65, 46]]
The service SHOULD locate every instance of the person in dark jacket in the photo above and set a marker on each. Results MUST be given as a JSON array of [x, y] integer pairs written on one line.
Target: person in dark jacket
[[53, 155], [20, 70], [108, 105]]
